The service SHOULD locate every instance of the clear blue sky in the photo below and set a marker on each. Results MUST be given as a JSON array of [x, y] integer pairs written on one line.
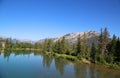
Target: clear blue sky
[[37, 19]]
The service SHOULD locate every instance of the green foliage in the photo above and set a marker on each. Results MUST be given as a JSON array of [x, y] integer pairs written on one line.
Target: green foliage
[[110, 59], [117, 50], [103, 41], [63, 45], [102, 59], [84, 46], [78, 46], [38, 45], [57, 47], [93, 52]]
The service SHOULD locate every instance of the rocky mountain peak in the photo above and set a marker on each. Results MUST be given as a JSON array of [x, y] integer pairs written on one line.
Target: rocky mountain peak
[[92, 36]]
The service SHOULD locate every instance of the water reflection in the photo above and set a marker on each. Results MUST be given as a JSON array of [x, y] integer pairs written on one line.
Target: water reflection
[[29, 64], [60, 65], [7, 55], [79, 70], [47, 60]]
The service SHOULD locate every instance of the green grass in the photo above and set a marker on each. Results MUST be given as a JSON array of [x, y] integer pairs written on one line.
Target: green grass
[[79, 59], [68, 57], [64, 56]]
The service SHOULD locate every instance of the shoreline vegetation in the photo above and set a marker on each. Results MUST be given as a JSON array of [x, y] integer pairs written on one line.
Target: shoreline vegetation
[[64, 56], [106, 52], [82, 60]]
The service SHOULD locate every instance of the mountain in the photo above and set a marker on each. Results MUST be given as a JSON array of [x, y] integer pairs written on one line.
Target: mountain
[[3, 37], [14, 40], [71, 38]]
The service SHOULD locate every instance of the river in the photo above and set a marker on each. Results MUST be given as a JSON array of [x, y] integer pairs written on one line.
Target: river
[[28, 64]]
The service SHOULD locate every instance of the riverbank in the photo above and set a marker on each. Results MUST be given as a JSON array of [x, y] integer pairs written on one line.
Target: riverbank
[[82, 60], [63, 56], [46, 65], [68, 57]]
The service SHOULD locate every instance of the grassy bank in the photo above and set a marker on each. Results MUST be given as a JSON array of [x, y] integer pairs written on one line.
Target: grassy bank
[[68, 57], [82, 60]]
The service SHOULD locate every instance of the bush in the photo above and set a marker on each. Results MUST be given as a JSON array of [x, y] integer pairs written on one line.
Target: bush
[[79, 57], [102, 59]]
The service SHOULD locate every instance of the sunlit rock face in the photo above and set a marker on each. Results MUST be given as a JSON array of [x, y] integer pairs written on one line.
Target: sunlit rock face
[[71, 38]]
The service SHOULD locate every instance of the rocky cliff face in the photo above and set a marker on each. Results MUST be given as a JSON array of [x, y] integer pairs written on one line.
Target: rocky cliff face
[[91, 36], [71, 38]]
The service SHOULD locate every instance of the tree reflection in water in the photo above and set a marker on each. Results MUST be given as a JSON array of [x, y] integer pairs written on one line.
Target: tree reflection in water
[[47, 60], [46, 66], [60, 65]]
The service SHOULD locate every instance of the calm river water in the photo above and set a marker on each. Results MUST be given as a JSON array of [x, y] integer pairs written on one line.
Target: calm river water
[[24, 64]]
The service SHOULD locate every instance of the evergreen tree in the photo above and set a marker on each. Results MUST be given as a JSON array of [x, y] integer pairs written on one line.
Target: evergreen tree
[[45, 45], [111, 47], [63, 45], [100, 45], [117, 51], [8, 43], [113, 44], [78, 46], [38, 45], [84, 46], [73, 48], [93, 52], [57, 47], [103, 41], [49, 45]]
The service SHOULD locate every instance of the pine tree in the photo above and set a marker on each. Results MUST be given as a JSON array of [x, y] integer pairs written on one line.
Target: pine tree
[[84, 49], [45, 45], [100, 45], [38, 45], [8, 43], [103, 41], [113, 44], [63, 45], [78, 46], [117, 51], [111, 50], [57, 47], [49, 45], [93, 52], [74, 47]]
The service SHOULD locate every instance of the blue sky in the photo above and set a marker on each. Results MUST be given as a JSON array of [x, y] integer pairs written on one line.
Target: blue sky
[[38, 19]]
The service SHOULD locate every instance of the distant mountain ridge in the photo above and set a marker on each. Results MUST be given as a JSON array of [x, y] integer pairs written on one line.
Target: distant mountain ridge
[[14, 40], [92, 36]]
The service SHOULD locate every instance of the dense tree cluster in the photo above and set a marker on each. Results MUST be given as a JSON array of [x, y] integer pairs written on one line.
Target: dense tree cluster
[[107, 50]]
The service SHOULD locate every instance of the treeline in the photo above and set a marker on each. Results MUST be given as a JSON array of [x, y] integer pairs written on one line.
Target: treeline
[[107, 51], [9, 44]]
